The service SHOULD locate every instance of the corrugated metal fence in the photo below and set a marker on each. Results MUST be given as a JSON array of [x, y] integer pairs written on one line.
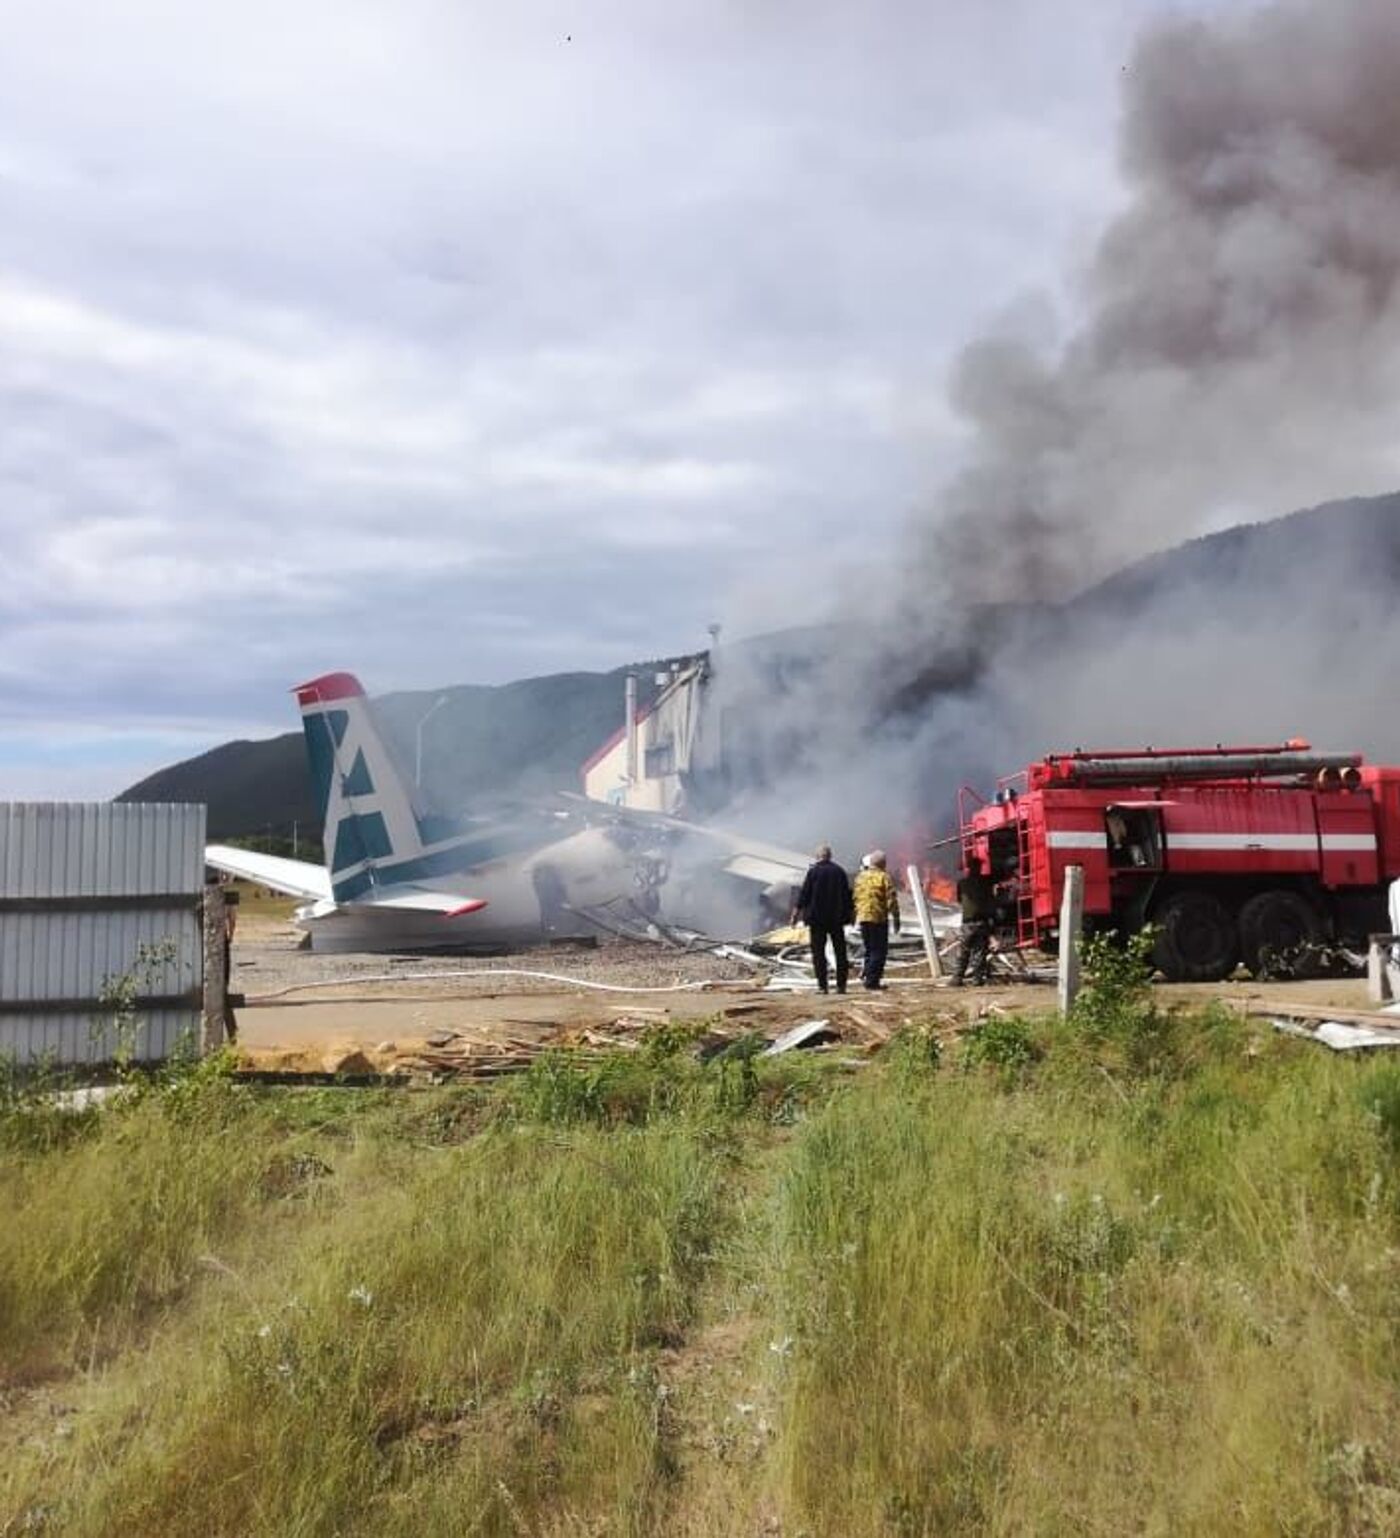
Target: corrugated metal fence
[[90, 892]]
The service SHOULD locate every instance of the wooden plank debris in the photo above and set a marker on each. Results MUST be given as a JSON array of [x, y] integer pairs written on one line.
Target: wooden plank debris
[[1319, 1013]]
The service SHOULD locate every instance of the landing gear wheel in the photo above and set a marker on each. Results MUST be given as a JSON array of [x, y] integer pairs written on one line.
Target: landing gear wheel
[[1196, 941], [1278, 933]]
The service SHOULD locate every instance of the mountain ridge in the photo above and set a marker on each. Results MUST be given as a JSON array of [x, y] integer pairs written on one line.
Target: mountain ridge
[[1298, 588]]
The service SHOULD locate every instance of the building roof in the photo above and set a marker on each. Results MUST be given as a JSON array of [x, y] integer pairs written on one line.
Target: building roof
[[599, 754], [684, 676]]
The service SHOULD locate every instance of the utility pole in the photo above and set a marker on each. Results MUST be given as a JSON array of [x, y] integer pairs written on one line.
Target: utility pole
[[629, 723], [423, 720]]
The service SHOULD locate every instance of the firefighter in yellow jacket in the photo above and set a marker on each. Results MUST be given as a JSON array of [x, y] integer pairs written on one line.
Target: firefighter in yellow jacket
[[877, 906]]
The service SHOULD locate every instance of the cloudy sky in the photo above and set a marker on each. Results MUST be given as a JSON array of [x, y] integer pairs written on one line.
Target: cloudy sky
[[454, 342]]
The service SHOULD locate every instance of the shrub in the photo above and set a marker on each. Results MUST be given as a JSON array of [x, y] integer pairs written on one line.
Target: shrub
[[1379, 1092], [734, 1075], [32, 1117], [1115, 1007], [556, 1089], [1000, 1041], [914, 1052], [117, 1018], [1115, 991], [670, 1039]]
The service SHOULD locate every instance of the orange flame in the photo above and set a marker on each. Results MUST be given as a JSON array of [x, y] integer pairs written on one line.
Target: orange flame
[[912, 849]]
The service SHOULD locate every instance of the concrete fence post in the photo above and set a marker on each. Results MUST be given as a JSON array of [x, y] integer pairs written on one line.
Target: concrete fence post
[[916, 891], [1071, 921], [213, 1033], [1378, 989]]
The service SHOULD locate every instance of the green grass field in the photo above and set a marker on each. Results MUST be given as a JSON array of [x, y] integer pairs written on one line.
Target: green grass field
[[1133, 1273]]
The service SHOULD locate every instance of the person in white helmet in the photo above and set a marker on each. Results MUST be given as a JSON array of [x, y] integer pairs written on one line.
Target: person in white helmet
[[877, 907]]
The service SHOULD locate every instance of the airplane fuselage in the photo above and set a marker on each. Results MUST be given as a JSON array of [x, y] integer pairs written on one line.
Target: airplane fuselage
[[542, 895]]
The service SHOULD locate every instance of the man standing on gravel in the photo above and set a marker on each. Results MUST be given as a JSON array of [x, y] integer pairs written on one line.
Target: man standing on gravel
[[825, 906], [877, 906]]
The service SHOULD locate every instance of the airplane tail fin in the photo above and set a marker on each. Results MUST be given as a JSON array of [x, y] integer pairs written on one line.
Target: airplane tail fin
[[373, 834]]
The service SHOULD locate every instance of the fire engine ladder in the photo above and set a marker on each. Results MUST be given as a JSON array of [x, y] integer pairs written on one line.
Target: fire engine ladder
[[1025, 886]]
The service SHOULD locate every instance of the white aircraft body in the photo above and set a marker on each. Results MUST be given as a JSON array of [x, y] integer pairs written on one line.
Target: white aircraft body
[[398, 878]]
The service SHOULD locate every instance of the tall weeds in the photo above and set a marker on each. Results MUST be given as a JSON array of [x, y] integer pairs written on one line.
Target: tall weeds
[[1133, 1272], [1102, 1302], [464, 1339], [101, 1224]]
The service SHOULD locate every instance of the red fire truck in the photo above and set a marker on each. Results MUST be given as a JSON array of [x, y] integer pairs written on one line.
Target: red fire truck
[[1231, 854]]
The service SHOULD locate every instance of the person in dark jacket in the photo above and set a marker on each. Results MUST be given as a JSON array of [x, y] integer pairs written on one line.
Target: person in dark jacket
[[977, 899], [825, 906]]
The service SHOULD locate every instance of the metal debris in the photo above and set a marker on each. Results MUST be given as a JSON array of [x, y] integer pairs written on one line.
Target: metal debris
[[809, 1034], [1339, 1035]]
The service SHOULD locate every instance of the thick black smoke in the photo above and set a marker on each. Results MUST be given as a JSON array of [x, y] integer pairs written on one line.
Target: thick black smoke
[[1237, 356], [1240, 350]]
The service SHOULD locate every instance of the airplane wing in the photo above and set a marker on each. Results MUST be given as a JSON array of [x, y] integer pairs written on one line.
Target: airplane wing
[[754, 860], [765, 869], [298, 878], [420, 900]]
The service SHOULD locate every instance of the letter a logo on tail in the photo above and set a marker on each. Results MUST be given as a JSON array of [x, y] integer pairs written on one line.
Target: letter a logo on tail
[[371, 822]]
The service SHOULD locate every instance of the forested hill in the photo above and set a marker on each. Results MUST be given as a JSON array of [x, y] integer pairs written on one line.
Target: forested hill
[[1285, 626], [527, 736]]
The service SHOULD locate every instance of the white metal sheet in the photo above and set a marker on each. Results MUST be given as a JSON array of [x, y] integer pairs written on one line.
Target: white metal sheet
[[94, 851], [99, 849]]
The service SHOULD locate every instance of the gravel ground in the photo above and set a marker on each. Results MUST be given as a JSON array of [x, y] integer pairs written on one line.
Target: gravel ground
[[264, 963], [266, 959]]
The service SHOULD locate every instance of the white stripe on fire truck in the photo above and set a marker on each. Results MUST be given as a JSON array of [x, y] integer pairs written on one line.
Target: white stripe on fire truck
[[1333, 843]]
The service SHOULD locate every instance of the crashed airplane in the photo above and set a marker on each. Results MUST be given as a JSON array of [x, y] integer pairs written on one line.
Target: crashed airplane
[[397, 877]]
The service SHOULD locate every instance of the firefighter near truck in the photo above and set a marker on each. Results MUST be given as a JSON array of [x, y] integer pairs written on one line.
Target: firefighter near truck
[[1255, 855]]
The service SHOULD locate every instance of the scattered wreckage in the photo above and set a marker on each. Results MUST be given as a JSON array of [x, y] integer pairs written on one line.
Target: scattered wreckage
[[755, 1005], [399, 877], [848, 1036]]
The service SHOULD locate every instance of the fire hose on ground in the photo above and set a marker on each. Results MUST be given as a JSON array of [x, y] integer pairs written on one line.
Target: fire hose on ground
[[421, 977]]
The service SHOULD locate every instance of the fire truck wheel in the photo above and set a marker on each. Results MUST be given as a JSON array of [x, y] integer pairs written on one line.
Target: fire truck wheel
[[1280, 925], [1196, 940]]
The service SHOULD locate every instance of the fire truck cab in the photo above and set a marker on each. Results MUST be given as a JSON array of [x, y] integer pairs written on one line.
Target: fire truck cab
[[1231, 854]]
